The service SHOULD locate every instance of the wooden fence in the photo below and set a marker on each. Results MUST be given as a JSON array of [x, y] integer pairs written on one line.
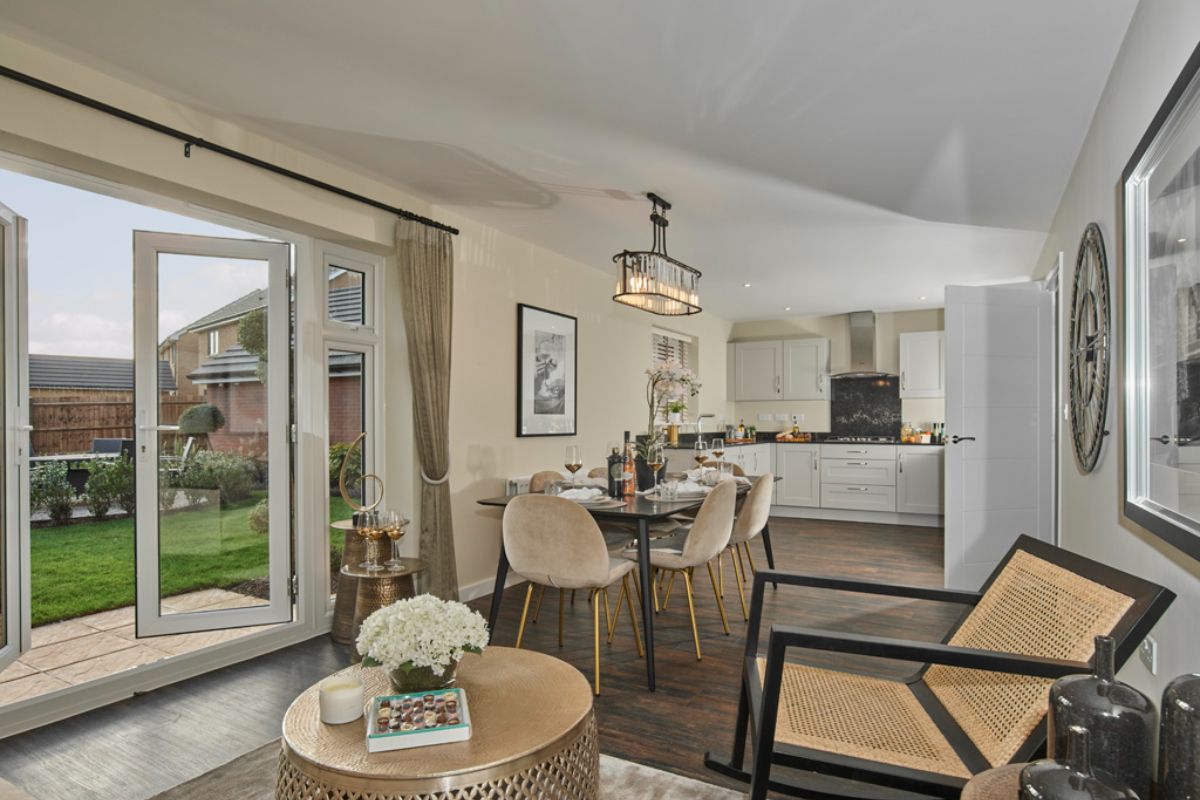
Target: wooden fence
[[68, 425]]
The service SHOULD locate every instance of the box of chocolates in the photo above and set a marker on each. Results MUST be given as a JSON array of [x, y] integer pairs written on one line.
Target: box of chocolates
[[398, 721]]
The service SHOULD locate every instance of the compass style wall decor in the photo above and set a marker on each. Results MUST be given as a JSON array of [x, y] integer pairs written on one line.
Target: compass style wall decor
[[1089, 339]]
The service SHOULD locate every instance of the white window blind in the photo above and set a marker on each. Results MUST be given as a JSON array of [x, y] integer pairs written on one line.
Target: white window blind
[[666, 346]]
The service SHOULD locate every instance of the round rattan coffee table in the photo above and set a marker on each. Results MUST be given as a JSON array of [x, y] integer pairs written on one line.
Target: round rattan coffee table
[[533, 735]]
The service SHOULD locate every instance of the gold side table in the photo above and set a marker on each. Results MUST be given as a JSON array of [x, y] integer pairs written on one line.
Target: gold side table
[[374, 590], [533, 736]]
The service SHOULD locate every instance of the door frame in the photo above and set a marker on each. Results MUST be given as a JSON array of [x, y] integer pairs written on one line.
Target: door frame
[[147, 246], [15, 541]]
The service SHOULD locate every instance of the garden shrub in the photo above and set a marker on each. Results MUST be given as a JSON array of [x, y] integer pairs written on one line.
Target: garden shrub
[[201, 419], [50, 491], [260, 519], [337, 453], [101, 489], [123, 484], [231, 474]]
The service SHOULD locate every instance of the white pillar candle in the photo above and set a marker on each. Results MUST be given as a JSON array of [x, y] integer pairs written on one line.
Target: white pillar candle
[[341, 699]]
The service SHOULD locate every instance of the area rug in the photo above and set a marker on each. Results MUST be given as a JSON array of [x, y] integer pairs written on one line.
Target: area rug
[[252, 777]]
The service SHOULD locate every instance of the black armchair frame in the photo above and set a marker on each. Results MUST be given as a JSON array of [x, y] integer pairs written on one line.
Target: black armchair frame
[[758, 702]]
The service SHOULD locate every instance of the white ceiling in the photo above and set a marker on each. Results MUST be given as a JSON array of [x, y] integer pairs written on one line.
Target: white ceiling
[[836, 155]]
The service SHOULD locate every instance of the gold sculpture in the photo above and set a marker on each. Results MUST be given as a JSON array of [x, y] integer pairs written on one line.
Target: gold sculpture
[[362, 479]]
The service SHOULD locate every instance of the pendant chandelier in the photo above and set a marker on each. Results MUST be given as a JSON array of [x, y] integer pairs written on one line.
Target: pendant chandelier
[[653, 281]]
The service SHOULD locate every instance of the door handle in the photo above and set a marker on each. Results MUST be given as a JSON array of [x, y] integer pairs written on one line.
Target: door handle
[[1182, 441], [1164, 439], [957, 439], [167, 428], [25, 428]]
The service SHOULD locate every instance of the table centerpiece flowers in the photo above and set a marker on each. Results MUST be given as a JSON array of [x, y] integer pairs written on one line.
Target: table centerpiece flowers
[[668, 387], [419, 641]]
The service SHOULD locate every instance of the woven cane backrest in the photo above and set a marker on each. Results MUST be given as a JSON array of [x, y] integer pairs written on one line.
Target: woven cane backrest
[[1033, 607]]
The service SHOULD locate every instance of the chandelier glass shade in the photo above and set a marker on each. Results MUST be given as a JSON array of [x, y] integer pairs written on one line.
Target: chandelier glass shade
[[653, 281]]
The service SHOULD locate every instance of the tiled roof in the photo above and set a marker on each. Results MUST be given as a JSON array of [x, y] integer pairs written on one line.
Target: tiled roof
[[237, 365], [87, 372], [345, 305]]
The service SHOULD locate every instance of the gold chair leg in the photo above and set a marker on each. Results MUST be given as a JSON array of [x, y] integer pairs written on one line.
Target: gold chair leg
[[737, 576], [637, 584], [524, 612], [720, 575], [562, 599], [608, 616], [750, 558], [596, 635], [667, 596], [633, 615], [687, 583], [720, 602], [612, 622], [654, 586], [537, 610], [741, 564]]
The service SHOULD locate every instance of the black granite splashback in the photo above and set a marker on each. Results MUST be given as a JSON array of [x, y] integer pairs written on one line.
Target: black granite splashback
[[865, 406]]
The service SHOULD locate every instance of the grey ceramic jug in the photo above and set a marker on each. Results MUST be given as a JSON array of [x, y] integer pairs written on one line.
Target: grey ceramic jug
[[1072, 778], [1179, 740]]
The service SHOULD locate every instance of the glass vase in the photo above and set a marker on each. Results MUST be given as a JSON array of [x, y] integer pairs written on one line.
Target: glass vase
[[1120, 721], [1179, 740], [421, 679], [1072, 779]]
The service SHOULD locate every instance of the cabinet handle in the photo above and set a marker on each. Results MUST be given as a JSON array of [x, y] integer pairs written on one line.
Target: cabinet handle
[[815, 460], [900, 461], [857, 489], [858, 463], [903, 382], [858, 452]]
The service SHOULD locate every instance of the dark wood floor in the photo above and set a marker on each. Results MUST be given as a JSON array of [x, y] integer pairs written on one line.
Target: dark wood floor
[[143, 745], [694, 707]]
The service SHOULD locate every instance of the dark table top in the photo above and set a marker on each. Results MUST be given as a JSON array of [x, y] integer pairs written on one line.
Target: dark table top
[[635, 508]]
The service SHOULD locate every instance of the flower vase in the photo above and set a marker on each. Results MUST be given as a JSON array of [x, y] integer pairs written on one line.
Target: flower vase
[[421, 679], [1071, 778], [1119, 719], [1179, 740]]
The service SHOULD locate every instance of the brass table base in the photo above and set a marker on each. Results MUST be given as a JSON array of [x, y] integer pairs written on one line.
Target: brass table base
[[378, 589]]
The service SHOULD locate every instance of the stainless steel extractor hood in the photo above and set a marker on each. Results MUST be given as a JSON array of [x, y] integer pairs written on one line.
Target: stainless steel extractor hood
[[862, 348]]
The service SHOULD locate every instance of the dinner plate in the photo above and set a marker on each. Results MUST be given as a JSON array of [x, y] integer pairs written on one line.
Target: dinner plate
[[602, 502]]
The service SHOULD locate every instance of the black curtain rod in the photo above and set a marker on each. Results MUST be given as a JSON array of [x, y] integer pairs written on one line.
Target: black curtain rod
[[190, 141]]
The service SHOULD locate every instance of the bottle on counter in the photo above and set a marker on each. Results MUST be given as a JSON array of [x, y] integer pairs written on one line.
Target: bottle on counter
[[795, 427], [629, 472], [741, 429]]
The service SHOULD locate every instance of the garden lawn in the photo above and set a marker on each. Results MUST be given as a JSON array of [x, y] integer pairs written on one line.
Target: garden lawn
[[88, 566]]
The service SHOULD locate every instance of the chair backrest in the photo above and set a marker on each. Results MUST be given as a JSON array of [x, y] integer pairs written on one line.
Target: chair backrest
[[738, 472], [554, 542], [1040, 601], [539, 481], [598, 472], [710, 532], [752, 516]]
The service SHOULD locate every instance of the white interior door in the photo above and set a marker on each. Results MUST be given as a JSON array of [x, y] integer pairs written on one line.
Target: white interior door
[[208, 312], [14, 499], [999, 425]]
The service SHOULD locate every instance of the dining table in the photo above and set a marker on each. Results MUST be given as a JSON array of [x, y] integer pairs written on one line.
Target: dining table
[[640, 511]]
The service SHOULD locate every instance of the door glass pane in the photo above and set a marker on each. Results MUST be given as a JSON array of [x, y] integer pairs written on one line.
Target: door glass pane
[[347, 415], [347, 301], [213, 508]]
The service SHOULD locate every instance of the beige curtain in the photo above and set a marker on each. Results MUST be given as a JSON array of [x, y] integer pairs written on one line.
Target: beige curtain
[[425, 258]]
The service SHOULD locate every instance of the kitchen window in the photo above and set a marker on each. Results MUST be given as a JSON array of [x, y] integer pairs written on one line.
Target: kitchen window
[[666, 346]]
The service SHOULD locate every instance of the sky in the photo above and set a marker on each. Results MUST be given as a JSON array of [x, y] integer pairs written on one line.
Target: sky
[[80, 266]]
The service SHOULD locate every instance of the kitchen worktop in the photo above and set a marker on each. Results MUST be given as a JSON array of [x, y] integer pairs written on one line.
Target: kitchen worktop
[[688, 441]]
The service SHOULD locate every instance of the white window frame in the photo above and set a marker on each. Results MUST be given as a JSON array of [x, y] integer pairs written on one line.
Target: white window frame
[[214, 341], [690, 341], [337, 257]]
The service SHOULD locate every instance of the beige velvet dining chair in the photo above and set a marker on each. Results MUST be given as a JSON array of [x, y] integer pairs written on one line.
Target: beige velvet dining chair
[[540, 480], [554, 542], [751, 518], [706, 539]]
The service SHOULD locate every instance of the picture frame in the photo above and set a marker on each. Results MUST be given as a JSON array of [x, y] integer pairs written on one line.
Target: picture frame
[[547, 372], [1159, 199]]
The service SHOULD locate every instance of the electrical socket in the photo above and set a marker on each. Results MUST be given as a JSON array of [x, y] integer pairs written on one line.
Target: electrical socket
[[766, 417], [1148, 653], [781, 417]]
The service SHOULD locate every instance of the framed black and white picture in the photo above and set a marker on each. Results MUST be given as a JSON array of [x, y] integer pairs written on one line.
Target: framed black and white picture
[[546, 372]]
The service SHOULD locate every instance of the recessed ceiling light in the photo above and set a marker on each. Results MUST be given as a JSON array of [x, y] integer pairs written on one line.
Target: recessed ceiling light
[[922, 297], [745, 286], [787, 308], [1181, 241]]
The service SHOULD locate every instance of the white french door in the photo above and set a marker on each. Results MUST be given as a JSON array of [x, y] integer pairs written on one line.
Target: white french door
[[14, 499], [202, 488]]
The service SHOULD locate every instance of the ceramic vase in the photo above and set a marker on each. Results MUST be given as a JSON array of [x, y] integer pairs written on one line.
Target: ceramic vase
[[1120, 721], [1179, 740], [421, 679], [1071, 778]]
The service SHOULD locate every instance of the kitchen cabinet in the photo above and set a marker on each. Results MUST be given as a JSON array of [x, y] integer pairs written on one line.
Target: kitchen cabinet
[[805, 369], [799, 470], [923, 364], [758, 370], [919, 479], [858, 498], [858, 477]]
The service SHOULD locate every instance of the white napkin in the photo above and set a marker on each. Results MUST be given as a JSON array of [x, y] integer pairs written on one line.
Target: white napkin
[[582, 494], [601, 482], [691, 487]]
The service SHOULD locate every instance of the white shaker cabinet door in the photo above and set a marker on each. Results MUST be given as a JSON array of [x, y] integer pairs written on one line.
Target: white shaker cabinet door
[[805, 369], [800, 475], [758, 370], [922, 364], [919, 480]]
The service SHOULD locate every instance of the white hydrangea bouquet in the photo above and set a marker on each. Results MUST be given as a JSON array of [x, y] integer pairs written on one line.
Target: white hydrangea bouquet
[[420, 641]]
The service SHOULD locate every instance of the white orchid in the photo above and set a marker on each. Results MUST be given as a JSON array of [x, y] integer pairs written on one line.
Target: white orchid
[[667, 382], [422, 631]]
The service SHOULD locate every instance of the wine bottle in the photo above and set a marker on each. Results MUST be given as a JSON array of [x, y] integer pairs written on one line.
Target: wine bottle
[[630, 487], [616, 469]]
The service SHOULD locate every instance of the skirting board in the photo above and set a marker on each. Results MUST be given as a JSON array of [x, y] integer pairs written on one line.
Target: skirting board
[[844, 515], [469, 591]]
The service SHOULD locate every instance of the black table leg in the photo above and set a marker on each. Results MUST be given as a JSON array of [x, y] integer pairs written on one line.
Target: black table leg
[[766, 537], [498, 590], [647, 598]]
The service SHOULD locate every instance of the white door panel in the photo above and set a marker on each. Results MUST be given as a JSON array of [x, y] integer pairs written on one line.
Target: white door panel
[[14, 500], [998, 483], [1000, 381], [1003, 330], [1002, 432], [984, 546]]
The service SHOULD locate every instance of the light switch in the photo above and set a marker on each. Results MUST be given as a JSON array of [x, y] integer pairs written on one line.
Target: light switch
[[765, 417], [781, 417]]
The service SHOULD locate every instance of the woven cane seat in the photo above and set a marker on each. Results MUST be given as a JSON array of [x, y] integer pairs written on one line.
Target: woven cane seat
[[863, 717], [1034, 608]]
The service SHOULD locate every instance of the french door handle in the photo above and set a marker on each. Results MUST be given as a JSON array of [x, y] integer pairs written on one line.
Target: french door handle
[[25, 428], [1164, 439], [957, 439], [167, 428]]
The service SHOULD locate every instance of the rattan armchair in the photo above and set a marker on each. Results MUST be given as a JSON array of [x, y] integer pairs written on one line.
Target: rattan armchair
[[978, 701]]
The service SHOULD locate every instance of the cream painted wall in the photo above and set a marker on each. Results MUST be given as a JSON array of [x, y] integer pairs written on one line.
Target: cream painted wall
[[1161, 36], [836, 328], [494, 272]]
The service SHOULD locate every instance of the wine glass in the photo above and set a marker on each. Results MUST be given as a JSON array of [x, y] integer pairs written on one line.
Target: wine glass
[[656, 458], [573, 461], [700, 453], [369, 531], [718, 448], [393, 527]]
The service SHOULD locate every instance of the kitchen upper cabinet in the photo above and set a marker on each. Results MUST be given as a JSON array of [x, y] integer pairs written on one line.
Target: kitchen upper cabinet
[[799, 467], [758, 370], [919, 480], [923, 364], [805, 369]]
